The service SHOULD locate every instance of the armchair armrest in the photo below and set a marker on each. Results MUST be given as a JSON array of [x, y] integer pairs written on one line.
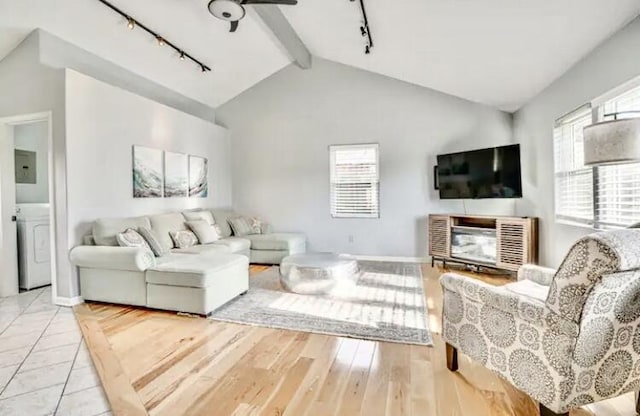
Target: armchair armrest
[[525, 308], [112, 258], [538, 274], [479, 291]]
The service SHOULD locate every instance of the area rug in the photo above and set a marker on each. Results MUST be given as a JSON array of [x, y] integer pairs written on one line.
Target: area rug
[[386, 303]]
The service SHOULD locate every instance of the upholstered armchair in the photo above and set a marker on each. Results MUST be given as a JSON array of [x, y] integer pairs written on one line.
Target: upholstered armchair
[[565, 338]]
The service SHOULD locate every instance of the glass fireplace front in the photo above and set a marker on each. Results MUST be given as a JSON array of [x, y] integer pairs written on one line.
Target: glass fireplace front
[[474, 244]]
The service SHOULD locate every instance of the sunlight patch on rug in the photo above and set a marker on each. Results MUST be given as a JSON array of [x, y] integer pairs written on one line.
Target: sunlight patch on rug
[[386, 303]]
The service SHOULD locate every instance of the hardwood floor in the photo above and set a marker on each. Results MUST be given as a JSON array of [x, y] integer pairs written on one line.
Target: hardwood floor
[[160, 363]]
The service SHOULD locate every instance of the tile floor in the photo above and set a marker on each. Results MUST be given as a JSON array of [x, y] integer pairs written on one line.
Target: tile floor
[[45, 367]]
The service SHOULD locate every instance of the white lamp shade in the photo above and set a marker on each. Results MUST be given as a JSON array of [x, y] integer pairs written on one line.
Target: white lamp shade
[[616, 141], [228, 10]]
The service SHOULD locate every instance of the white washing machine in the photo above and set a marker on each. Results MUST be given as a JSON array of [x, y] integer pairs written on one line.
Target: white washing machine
[[34, 245]]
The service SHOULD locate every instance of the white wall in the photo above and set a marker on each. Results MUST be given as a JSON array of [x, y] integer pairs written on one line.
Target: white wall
[[28, 87], [281, 130], [613, 63], [34, 137], [103, 122]]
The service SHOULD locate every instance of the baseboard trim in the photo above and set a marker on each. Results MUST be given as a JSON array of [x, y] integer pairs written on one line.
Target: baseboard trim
[[395, 259], [62, 301]]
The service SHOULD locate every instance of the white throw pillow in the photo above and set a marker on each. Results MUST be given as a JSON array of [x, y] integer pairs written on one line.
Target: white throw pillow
[[184, 239], [205, 232], [131, 238], [199, 215]]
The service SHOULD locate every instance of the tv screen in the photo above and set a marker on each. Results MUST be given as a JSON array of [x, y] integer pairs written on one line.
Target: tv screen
[[484, 173]]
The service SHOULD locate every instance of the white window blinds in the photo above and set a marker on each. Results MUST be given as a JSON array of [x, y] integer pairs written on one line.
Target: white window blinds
[[354, 181], [573, 181], [618, 186]]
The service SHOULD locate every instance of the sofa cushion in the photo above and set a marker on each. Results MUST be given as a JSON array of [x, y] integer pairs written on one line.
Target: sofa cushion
[[153, 240], [195, 271], [204, 230], [221, 216], [277, 241], [234, 244], [207, 248], [199, 215], [105, 229], [242, 226], [164, 224]]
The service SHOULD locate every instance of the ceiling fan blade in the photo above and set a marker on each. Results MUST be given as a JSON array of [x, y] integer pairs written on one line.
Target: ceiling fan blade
[[234, 25], [283, 2]]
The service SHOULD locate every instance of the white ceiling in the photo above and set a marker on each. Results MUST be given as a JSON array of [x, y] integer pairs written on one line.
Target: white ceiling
[[497, 52], [239, 60]]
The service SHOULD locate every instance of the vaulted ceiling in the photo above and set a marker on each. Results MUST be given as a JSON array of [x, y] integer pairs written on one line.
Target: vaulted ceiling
[[498, 52]]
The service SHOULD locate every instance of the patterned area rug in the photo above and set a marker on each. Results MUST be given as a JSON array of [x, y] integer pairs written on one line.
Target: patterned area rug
[[386, 304]]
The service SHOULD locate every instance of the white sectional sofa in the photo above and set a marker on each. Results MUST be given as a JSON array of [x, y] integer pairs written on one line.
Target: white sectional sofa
[[197, 279]]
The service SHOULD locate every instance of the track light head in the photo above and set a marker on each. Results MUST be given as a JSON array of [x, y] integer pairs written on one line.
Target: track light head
[[134, 24], [363, 31], [367, 50]]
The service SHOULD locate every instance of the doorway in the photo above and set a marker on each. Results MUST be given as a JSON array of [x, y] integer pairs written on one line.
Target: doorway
[[27, 237]]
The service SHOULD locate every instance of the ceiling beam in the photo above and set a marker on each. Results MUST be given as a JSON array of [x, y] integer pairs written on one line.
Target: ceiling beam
[[275, 20]]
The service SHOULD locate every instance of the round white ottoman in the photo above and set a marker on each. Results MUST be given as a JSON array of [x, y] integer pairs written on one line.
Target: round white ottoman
[[317, 273]]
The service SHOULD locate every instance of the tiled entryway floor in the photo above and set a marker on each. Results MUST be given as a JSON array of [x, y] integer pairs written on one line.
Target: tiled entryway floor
[[45, 366]]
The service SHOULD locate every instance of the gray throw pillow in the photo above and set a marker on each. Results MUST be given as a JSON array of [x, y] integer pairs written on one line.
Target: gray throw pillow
[[184, 238], [205, 232], [131, 238], [154, 242], [241, 226]]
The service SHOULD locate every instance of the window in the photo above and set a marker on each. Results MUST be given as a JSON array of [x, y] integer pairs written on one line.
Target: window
[[573, 181], [618, 186], [354, 181], [603, 196]]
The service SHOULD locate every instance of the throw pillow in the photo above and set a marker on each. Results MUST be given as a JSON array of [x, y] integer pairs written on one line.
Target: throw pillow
[[199, 215], [154, 242], [256, 225], [241, 226], [184, 238], [265, 228], [131, 238], [205, 232]]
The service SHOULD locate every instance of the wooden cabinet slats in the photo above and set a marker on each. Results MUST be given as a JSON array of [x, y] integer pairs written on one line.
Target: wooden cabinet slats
[[516, 238]]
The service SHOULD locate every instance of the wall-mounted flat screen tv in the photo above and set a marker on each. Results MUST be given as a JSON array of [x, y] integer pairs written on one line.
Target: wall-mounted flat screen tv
[[484, 173]]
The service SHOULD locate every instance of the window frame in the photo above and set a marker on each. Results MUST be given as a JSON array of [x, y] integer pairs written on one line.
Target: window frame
[[336, 215]]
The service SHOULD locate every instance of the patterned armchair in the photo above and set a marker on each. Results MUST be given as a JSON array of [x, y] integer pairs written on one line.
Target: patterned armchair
[[566, 338]]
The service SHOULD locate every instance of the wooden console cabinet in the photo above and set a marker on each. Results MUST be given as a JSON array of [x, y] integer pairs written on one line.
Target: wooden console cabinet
[[497, 242]]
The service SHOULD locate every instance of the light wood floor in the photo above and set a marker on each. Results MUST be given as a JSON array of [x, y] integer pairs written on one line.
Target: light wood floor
[[158, 363]]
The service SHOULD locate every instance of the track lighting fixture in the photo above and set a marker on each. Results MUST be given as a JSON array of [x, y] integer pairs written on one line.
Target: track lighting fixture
[[132, 24], [365, 30]]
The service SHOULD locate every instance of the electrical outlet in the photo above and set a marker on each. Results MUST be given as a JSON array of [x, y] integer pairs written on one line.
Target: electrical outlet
[[350, 238]]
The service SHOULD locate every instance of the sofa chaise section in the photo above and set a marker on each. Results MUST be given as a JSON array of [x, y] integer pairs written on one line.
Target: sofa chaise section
[[197, 284]]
